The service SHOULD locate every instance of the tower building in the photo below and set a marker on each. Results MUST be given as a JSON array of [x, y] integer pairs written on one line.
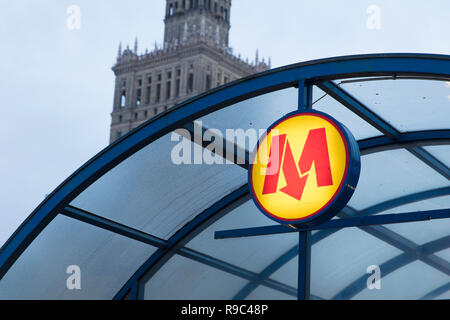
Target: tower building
[[195, 57]]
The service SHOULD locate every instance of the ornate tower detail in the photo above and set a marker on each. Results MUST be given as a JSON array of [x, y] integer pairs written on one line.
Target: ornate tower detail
[[195, 57]]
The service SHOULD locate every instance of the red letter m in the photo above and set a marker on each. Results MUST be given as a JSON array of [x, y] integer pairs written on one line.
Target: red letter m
[[315, 151]]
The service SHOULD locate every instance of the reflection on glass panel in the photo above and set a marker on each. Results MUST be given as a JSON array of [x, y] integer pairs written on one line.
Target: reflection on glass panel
[[105, 260], [257, 113], [184, 279], [390, 174], [265, 293], [357, 126], [442, 153], [150, 192], [343, 257], [444, 296], [429, 204], [408, 105], [444, 254], [412, 281], [251, 253], [423, 231], [288, 273]]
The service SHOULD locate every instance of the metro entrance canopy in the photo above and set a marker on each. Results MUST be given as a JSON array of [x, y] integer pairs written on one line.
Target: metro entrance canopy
[[141, 227]]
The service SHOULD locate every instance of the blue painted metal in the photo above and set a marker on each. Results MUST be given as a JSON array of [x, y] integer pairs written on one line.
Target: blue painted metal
[[305, 95], [112, 226], [420, 65], [396, 263], [437, 292], [430, 160], [357, 107], [304, 265], [134, 292], [359, 221], [278, 263]]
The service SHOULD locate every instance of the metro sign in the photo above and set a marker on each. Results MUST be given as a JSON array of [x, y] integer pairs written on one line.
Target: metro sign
[[305, 169]]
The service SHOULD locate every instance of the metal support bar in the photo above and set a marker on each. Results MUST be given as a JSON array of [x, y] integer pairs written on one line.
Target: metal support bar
[[304, 95], [338, 223], [112, 226], [304, 265], [134, 291]]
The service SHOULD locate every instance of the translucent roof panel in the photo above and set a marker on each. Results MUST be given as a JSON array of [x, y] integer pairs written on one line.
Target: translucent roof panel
[[390, 174], [442, 153], [287, 273], [412, 281], [424, 231], [358, 127], [255, 253], [408, 105], [150, 192], [343, 257], [256, 114], [184, 279], [265, 293], [105, 260]]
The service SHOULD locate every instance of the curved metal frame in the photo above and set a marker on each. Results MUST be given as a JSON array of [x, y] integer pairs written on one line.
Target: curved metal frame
[[323, 71]]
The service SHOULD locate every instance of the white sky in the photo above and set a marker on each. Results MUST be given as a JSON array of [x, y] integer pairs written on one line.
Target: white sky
[[56, 85]]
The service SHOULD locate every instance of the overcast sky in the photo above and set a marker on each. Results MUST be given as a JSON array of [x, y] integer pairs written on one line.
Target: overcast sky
[[56, 84]]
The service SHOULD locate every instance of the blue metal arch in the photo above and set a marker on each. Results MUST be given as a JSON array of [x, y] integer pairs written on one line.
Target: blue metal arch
[[382, 206], [328, 69]]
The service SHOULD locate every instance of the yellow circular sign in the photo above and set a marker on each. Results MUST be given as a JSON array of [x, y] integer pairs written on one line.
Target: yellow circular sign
[[300, 166]]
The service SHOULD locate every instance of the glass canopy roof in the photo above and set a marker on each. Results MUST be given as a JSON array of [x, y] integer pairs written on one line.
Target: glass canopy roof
[[140, 226]]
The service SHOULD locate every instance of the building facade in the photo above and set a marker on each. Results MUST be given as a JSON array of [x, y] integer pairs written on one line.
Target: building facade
[[195, 57]]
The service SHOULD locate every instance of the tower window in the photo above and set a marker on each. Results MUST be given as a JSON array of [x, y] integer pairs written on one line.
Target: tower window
[[169, 75], [120, 118], [148, 94], [176, 5], [140, 82], [177, 88], [170, 10], [208, 82], [225, 15], [168, 90], [123, 99], [159, 77], [190, 83], [149, 80], [158, 92], [138, 97], [145, 113], [183, 5], [215, 7]]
